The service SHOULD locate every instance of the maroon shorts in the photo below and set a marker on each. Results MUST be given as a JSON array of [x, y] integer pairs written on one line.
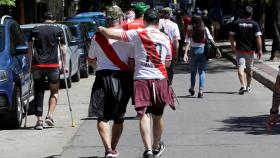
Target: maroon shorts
[[155, 93]]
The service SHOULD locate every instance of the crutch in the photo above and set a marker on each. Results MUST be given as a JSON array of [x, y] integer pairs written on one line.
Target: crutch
[[30, 83], [65, 81]]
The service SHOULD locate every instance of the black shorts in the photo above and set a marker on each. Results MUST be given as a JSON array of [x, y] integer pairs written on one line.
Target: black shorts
[[52, 74], [154, 110], [110, 94]]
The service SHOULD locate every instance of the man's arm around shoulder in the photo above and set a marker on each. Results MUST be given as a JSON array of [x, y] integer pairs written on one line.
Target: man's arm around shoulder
[[109, 33]]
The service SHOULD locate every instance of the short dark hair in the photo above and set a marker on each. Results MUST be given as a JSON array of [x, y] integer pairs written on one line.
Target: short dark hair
[[49, 16], [248, 11], [151, 16]]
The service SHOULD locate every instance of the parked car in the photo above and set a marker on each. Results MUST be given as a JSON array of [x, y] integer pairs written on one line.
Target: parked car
[[226, 25], [91, 19], [99, 16], [16, 85], [80, 31], [72, 52]]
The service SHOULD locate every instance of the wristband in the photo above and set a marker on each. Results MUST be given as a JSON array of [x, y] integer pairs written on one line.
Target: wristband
[[274, 112]]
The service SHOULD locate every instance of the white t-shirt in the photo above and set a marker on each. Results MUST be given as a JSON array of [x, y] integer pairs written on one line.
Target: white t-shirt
[[152, 49], [123, 49], [170, 28]]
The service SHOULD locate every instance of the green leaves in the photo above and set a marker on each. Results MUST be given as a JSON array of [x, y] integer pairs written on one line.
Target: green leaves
[[8, 2]]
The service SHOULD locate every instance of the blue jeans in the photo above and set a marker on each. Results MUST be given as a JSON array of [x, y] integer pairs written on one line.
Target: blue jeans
[[198, 63]]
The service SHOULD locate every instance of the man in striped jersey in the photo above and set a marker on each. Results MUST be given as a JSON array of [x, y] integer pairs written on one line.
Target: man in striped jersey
[[112, 87], [152, 92]]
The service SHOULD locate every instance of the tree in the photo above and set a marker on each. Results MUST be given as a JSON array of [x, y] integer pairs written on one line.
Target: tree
[[21, 10], [276, 28], [8, 2]]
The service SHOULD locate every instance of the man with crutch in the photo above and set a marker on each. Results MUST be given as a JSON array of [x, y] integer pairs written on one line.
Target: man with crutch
[[45, 63]]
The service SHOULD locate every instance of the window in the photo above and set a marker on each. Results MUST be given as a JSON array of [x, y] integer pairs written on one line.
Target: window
[[74, 31], [27, 33], [69, 35], [2, 39], [16, 37]]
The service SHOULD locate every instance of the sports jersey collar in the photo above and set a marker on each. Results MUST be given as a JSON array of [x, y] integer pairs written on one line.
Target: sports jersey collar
[[49, 22], [151, 28], [139, 19]]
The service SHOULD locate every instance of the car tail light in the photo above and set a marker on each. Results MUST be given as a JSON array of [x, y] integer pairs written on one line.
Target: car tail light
[[3, 101], [3, 75]]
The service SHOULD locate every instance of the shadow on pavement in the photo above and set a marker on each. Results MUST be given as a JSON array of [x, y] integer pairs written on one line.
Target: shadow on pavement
[[53, 156], [126, 118], [212, 92], [254, 125], [92, 157], [209, 92], [187, 96]]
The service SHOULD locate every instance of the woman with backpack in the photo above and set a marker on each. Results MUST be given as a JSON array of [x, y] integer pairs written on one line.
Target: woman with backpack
[[196, 37]]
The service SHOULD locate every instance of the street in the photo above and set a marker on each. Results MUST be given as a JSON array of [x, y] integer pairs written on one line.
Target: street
[[221, 125]]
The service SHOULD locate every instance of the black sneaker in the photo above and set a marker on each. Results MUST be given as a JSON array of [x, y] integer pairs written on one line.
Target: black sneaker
[[39, 125], [49, 121], [191, 92], [157, 152], [242, 90], [200, 95], [148, 154]]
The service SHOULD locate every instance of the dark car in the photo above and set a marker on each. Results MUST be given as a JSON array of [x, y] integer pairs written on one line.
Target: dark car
[[80, 32], [99, 16], [91, 19], [15, 78]]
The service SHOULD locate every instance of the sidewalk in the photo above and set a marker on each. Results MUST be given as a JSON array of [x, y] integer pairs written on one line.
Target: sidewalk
[[265, 71]]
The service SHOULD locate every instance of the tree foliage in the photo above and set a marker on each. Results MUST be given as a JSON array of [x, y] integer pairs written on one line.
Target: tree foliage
[[8, 2]]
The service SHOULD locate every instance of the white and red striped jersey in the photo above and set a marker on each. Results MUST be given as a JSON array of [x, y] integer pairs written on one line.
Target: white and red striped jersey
[[123, 50], [152, 48]]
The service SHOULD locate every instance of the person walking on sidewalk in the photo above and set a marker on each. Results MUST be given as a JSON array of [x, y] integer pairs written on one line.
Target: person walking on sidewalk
[[172, 31], [112, 87], [195, 39], [245, 39], [45, 63], [151, 89], [273, 117]]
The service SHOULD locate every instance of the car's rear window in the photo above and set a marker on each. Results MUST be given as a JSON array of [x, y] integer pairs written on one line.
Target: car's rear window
[[2, 41], [74, 31], [91, 27], [26, 33]]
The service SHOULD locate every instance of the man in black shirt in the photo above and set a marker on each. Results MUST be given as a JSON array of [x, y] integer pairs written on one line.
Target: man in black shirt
[[247, 35], [44, 40]]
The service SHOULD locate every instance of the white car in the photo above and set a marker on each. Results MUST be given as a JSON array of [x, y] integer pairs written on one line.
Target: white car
[[72, 55]]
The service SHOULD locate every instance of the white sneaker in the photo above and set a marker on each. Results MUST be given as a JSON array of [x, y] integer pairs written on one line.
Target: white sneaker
[[249, 89]]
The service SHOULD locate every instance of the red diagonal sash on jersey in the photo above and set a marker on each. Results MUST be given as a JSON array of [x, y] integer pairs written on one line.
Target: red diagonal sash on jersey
[[151, 50], [109, 51]]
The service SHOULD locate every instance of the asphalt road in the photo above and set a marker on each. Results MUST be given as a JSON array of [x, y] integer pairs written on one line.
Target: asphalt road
[[221, 125]]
